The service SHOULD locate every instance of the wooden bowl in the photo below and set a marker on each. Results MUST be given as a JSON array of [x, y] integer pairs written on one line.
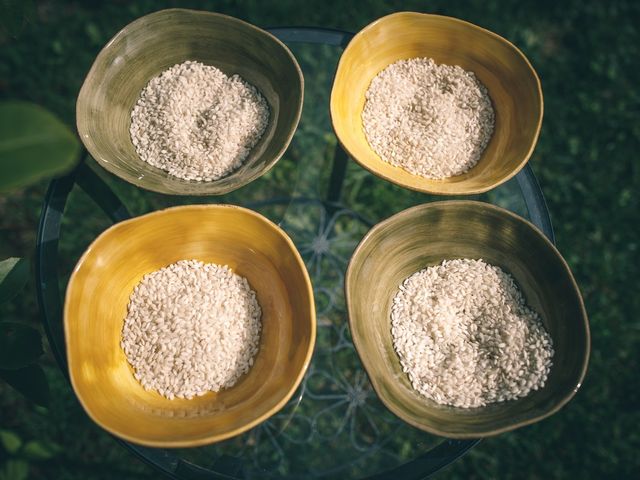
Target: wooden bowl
[[155, 42], [96, 305], [512, 83], [427, 234]]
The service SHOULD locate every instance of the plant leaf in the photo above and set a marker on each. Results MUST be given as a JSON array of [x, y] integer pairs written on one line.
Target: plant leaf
[[34, 144], [14, 273], [20, 345], [38, 450], [15, 469], [29, 381], [10, 441]]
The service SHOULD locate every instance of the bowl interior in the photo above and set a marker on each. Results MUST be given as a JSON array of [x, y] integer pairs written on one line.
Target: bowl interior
[[96, 305], [427, 234], [512, 83], [150, 45]]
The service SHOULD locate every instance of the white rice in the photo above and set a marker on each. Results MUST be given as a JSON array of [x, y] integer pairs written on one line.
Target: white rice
[[191, 328], [465, 337], [197, 123], [431, 120]]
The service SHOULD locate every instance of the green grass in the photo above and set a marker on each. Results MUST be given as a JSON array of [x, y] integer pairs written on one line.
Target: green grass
[[586, 160]]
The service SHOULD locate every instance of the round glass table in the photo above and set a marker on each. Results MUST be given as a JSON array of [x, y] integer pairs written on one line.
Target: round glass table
[[334, 426]]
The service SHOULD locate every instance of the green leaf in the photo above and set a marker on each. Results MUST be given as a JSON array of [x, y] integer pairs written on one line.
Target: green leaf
[[34, 144], [14, 273], [29, 381], [38, 450], [10, 441], [14, 470], [41, 410], [94, 34], [20, 345]]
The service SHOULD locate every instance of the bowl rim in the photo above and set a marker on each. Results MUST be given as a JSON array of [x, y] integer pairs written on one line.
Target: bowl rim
[[210, 438], [362, 354], [81, 100], [427, 188]]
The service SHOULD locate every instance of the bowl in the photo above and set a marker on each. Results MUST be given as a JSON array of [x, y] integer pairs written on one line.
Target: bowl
[[155, 42], [512, 83], [426, 235], [96, 305]]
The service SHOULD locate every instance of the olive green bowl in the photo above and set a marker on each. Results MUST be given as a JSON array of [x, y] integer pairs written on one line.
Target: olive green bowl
[[155, 42], [427, 234]]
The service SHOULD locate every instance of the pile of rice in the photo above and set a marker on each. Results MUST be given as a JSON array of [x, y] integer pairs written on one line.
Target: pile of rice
[[431, 120], [465, 336], [191, 328], [197, 123]]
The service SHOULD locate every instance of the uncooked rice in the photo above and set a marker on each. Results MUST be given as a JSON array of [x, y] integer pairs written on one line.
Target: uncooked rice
[[197, 123], [191, 328], [465, 336], [431, 120]]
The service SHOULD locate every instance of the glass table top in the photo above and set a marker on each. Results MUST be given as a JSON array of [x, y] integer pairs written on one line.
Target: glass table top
[[334, 426]]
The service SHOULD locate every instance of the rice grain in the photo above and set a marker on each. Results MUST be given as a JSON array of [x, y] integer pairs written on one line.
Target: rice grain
[[465, 336], [431, 120], [197, 123], [191, 328]]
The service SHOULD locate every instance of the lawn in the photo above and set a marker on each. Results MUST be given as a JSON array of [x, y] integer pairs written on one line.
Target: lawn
[[586, 53]]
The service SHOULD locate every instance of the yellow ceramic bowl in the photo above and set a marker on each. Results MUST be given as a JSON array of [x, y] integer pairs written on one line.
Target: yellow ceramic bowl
[[151, 44], [96, 305], [510, 79]]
